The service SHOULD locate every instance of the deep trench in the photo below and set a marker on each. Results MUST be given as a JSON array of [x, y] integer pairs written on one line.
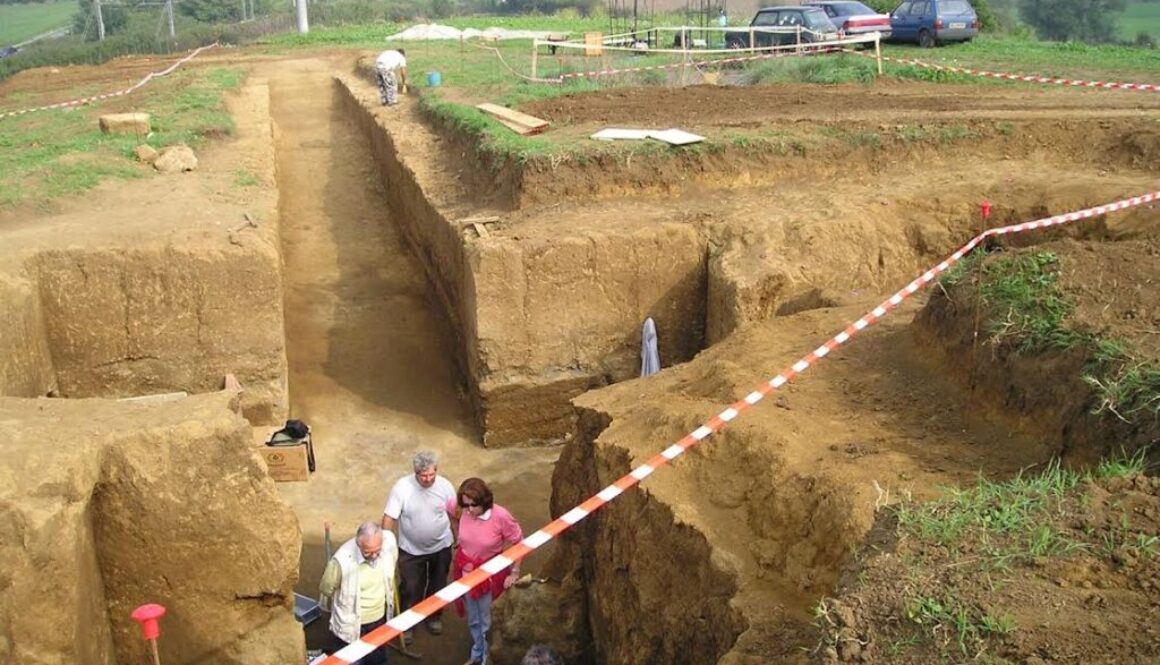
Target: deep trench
[[610, 634]]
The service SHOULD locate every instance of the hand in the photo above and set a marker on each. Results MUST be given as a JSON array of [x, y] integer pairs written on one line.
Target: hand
[[510, 580], [467, 568]]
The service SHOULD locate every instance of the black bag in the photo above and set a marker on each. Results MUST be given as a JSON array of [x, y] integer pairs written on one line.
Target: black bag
[[292, 434], [296, 429]]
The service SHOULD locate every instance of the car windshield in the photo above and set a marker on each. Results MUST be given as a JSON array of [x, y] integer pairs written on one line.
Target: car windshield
[[955, 7], [851, 9], [816, 19]]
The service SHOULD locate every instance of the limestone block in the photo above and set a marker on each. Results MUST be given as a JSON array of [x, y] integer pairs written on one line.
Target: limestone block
[[175, 159], [146, 153], [125, 123]]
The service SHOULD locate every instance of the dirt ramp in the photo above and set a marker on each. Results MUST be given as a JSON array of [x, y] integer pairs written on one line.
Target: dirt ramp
[[110, 505]]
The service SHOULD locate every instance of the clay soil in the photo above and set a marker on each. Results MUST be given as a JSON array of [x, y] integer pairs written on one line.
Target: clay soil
[[369, 369]]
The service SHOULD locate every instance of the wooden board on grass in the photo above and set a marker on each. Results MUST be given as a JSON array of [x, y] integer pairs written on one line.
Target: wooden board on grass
[[521, 123]]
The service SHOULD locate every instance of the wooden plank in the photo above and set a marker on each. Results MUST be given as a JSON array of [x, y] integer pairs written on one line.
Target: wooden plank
[[480, 229], [502, 113]]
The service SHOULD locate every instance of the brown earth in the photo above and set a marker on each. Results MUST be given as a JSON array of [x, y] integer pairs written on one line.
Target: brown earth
[[722, 556], [1098, 604]]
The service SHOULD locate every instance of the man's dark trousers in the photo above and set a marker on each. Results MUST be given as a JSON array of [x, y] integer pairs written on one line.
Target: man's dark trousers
[[421, 575]]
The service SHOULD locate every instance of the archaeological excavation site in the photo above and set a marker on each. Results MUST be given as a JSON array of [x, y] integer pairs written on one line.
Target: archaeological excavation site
[[965, 475]]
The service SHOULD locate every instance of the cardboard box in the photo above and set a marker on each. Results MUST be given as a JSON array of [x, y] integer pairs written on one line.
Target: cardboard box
[[286, 463]]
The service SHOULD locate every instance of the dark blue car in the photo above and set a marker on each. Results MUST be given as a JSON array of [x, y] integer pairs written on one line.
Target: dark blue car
[[930, 22]]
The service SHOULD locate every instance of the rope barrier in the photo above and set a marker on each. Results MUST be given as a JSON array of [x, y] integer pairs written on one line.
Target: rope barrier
[[118, 93], [448, 594], [1031, 78]]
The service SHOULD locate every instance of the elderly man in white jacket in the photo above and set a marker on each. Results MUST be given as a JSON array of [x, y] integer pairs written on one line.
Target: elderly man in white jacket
[[358, 586]]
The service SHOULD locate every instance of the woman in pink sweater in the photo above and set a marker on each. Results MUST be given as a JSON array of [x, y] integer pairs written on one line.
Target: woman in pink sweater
[[484, 530]]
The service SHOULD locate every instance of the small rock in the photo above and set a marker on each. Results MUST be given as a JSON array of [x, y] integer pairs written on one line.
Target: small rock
[[782, 403], [125, 123], [145, 153], [176, 158], [850, 650]]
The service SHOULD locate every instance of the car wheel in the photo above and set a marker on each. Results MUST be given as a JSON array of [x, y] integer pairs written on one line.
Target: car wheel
[[925, 39]]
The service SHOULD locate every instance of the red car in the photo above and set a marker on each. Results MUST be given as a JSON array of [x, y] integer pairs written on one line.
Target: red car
[[853, 18]]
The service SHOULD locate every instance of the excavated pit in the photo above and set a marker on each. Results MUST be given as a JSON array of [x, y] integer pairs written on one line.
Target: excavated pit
[[152, 287], [743, 266]]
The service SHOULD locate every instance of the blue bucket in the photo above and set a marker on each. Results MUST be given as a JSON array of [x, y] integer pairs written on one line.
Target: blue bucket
[[434, 79]]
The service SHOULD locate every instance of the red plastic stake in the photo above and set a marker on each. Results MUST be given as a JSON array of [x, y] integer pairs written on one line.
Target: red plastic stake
[[148, 616], [985, 209]]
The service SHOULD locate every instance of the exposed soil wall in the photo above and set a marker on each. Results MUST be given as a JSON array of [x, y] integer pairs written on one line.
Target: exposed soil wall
[[130, 322], [1111, 285], [108, 505], [25, 364], [536, 321]]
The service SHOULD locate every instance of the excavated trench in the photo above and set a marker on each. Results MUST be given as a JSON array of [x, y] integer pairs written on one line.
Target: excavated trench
[[722, 556]]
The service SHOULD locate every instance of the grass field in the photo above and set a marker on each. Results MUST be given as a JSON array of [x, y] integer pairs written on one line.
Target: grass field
[[1140, 17], [61, 153], [21, 22]]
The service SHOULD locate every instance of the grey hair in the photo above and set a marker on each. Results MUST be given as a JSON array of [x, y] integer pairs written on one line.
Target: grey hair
[[367, 530], [424, 460], [541, 654]]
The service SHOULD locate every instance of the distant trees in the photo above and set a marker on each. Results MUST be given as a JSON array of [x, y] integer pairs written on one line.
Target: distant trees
[[85, 23], [1073, 20]]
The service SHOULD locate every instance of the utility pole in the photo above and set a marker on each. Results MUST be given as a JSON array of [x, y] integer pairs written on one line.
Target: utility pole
[[100, 20], [303, 24], [169, 13]]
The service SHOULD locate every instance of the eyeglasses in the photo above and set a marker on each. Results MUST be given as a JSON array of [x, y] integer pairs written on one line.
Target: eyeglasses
[[465, 504]]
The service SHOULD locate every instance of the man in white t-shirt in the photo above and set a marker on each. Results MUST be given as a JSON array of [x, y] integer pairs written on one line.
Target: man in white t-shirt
[[416, 510], [390, 73]]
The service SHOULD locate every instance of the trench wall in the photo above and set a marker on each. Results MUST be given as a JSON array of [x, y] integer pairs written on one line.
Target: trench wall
[[26, 368], [130, 322], [537, 321], [107, 505]]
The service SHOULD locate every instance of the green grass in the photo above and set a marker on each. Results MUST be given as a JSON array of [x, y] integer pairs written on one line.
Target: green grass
[[21, 22], [1140, 17], [51, 154], [1027, 311], [1022, 55]]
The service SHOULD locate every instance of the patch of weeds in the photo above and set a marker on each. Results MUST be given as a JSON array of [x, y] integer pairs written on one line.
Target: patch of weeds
[[901, 645], [912, 133], [865, 139], [961, 269], [988, 507], [1119, 467], [1005, 128], [243, 178], [948, 619], [1126, 387], [1027, 306], [955, 133]]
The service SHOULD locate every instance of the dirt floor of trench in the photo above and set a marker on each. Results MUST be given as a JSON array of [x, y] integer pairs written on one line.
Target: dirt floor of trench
[[369, 368]]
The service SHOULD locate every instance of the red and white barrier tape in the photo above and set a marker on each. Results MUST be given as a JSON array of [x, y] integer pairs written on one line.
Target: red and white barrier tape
[[118, 93], [460, 587], [697, 63], [1075, 83]]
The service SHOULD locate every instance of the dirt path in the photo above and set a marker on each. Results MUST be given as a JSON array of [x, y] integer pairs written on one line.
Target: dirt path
[[369, 368]]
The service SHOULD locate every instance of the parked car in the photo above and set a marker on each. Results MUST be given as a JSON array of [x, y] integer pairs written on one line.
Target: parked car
[[815, 27], [8, 50], [930, 22], [853, 18]]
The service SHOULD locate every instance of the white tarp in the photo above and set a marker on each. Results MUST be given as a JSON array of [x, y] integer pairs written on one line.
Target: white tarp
[[670, 136], [650, 358], [427, 31]]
